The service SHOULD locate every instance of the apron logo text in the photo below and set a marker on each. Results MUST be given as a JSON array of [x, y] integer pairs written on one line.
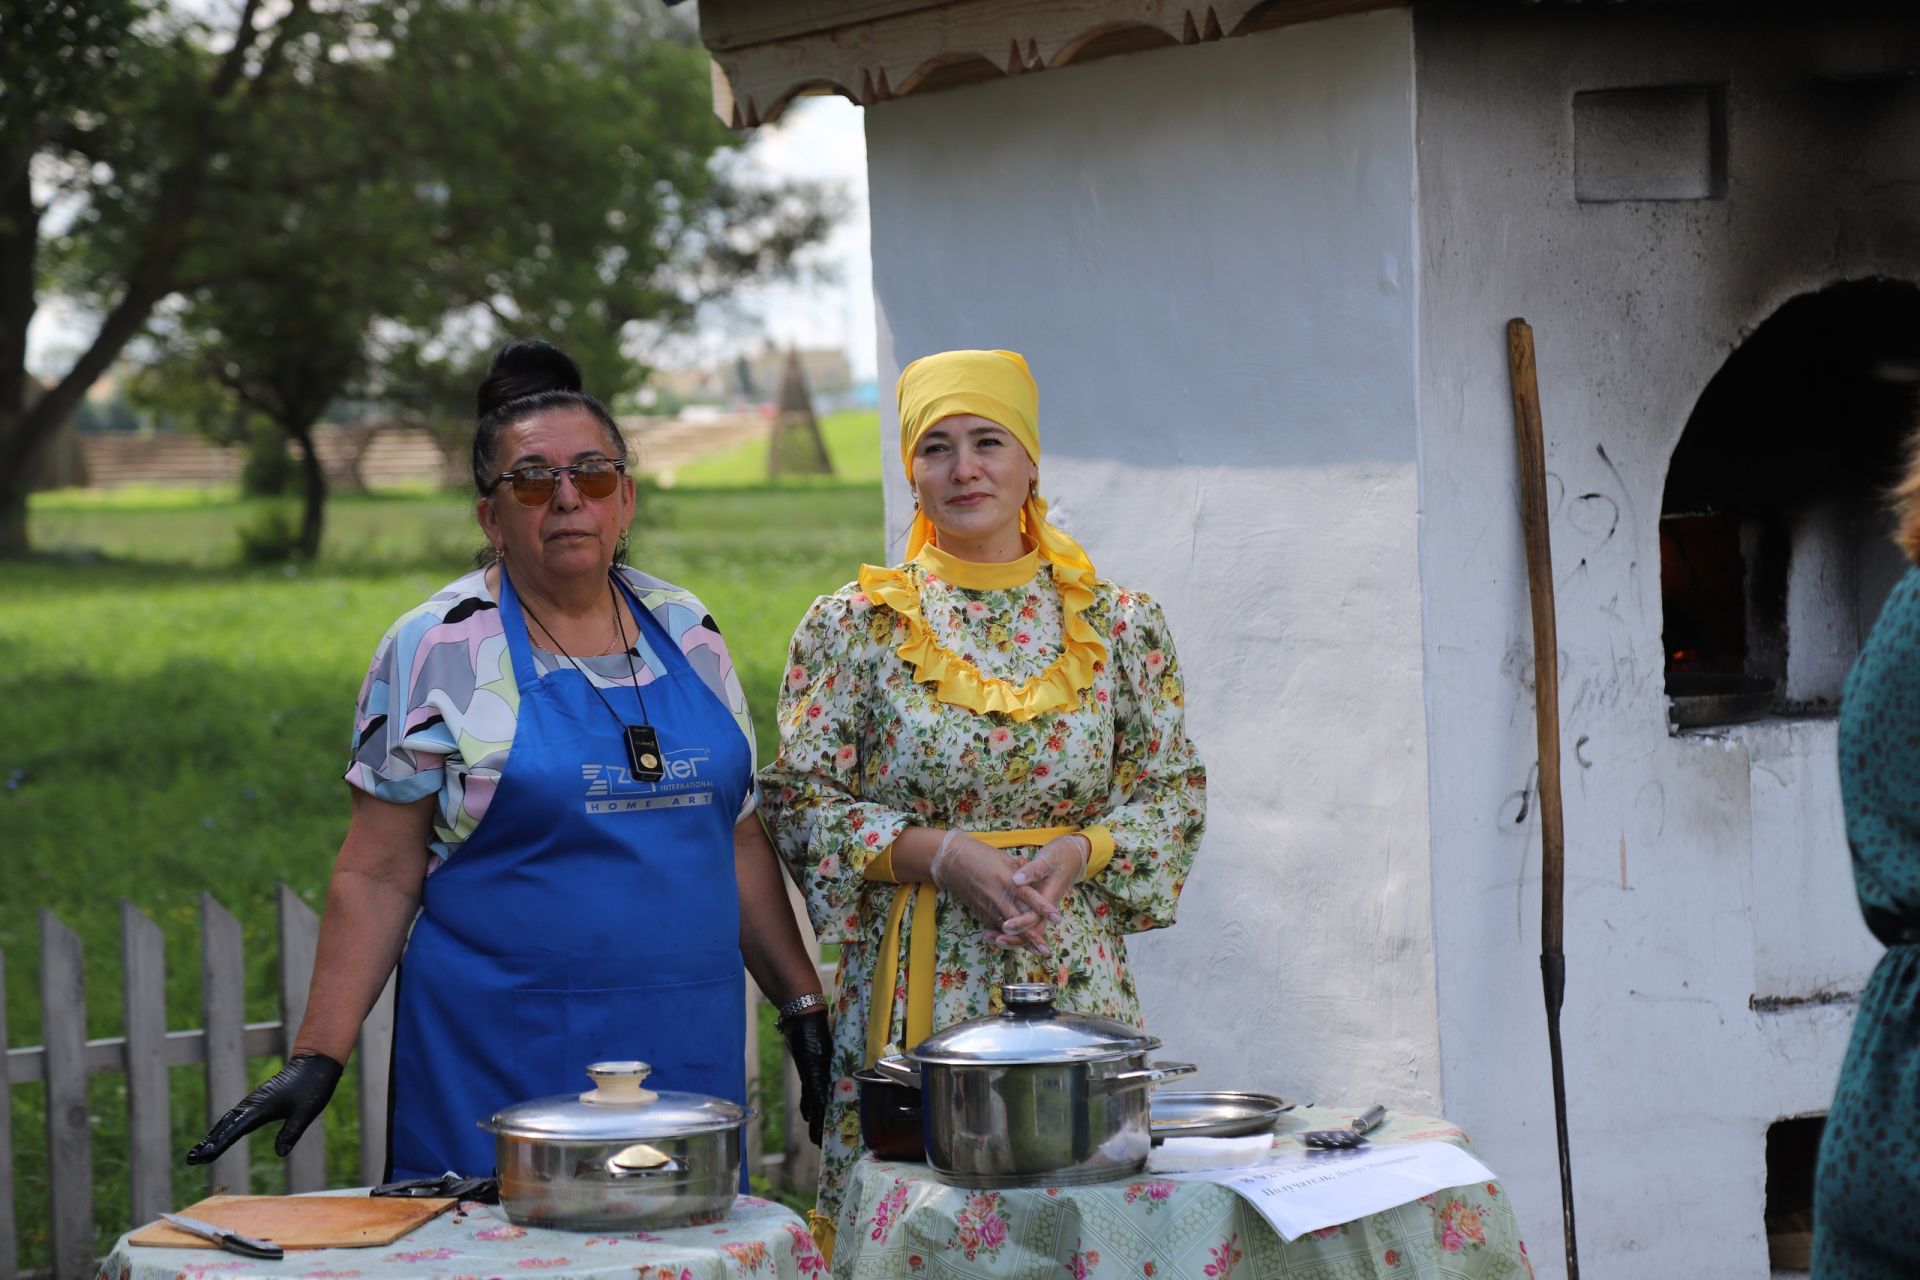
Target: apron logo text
[[612, 788]]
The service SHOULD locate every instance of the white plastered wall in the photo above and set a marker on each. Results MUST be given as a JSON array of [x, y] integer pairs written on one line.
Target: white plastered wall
[[1704, 871], [1208, 256]]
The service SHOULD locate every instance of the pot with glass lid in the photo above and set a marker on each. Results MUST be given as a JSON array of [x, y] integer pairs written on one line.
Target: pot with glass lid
[[620, 1156], [1032, 1096]]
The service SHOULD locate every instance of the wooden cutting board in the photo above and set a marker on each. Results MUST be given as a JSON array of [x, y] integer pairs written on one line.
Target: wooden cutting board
[[300, 1222]]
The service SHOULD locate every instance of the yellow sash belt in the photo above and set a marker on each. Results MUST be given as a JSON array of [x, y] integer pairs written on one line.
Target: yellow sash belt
[[921, 966], [821, 1227]]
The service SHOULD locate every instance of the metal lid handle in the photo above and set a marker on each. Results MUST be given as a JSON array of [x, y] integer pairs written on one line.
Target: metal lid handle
[[1152, 1076], [897, 1070], [1028, 999], [619, 1084]]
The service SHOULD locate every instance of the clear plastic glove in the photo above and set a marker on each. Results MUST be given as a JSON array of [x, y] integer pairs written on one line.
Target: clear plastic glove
[[980, 878], [297, 1093], [1044, 880], [809, 1039]]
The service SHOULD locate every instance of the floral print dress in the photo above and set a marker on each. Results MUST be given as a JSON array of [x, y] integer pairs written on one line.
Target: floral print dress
[[867, 749]]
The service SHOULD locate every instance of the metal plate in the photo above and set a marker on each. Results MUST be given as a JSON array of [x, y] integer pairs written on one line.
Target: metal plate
[[1201, 1114]]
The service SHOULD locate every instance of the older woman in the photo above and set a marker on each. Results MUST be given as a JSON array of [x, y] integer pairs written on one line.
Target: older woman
[[983, 772], [1868, 1175], [553, 814]]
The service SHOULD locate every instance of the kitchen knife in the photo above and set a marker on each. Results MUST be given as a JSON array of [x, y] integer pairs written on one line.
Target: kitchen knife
[[1340, 1139], [231, 1241]]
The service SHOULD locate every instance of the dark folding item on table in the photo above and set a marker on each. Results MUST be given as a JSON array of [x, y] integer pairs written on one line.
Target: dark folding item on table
[[448, 1184]]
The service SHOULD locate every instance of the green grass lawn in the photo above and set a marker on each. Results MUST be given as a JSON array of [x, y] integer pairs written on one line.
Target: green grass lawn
[[176, 724]]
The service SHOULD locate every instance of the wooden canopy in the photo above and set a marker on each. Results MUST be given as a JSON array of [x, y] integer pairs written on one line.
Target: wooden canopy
[[767, 52]]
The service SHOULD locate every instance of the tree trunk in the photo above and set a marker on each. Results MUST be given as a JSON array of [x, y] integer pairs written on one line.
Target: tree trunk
[[27, 431], [13, 514], [359, 437], [313, 511], [148, 281], [19, 268]]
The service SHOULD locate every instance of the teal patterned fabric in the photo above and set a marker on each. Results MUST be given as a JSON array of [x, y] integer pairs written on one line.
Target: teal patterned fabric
[[899, 1222], [1868, 1179]]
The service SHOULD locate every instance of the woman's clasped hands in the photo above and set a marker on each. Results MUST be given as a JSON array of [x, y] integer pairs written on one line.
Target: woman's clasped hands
[[1016, 899]]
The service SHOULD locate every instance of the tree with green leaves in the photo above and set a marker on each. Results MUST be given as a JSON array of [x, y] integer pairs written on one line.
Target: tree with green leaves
[[380, 194]]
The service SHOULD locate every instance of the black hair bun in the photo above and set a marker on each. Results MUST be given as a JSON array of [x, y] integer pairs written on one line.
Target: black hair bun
[[526, 368]]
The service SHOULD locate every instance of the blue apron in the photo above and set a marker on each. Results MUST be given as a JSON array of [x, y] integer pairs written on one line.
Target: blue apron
[[588, 917]]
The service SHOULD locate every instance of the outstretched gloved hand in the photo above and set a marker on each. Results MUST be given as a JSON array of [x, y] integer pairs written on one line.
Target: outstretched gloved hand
[[809, 1039], [980, 877], [297, 1093]]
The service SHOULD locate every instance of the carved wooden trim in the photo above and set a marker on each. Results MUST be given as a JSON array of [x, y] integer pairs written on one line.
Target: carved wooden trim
[[767, 52], [736, 24]]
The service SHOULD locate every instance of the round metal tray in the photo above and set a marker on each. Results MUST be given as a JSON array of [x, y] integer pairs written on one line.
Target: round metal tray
[[1179, 1113]]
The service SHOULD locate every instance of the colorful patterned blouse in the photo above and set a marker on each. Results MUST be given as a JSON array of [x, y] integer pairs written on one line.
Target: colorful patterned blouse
[[866, 749], [439, 706]]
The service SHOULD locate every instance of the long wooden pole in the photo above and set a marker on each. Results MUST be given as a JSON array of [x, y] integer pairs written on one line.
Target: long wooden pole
[[1546, 702]]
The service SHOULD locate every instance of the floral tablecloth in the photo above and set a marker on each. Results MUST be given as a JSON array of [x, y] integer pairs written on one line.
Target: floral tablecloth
[[758, 1240], [899, 1222]]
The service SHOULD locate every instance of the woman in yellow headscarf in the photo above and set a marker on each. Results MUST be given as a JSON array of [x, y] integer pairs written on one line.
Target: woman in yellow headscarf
[[983, 772]]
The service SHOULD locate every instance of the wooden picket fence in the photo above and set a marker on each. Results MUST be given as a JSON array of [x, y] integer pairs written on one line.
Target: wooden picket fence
[[147, 1053]]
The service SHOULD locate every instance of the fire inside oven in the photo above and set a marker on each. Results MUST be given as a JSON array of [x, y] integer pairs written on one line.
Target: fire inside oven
[[1722, 593]]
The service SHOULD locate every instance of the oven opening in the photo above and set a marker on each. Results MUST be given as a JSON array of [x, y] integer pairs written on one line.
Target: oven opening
[[1775, 551], [1793, 1147]]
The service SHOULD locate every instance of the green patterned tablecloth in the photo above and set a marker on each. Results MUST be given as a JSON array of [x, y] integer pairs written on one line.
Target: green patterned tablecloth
[[899, 1222], [758, 1240]]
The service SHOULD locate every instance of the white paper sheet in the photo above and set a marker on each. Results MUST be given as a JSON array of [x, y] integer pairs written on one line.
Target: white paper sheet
[[1186, 1155], [1298, 1194]]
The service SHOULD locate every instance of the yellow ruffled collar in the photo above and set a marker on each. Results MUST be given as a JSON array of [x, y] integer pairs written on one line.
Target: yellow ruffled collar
[[959, 682], [973, 575]]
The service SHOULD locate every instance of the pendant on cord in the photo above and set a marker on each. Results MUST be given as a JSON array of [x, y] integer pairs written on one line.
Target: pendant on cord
[[643, 753]]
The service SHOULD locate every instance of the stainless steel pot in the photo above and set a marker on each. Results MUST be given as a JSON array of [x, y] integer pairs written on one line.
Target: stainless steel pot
[[619, 1156], [1033, 1096]]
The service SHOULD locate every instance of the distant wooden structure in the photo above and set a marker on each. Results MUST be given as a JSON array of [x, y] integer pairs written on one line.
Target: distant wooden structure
[[359, 458], [796, 448]]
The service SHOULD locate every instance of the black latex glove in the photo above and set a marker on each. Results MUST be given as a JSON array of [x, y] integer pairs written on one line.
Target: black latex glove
[[296, 1093], [810, 1041]]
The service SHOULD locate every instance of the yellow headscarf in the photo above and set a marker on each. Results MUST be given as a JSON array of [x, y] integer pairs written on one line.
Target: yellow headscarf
[[997, 386]]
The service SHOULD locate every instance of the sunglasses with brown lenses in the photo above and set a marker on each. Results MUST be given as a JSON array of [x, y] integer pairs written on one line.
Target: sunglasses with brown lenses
[[535, 486]]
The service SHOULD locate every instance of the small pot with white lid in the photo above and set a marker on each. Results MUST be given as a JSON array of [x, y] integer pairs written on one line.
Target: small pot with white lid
[[620, 1156]]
